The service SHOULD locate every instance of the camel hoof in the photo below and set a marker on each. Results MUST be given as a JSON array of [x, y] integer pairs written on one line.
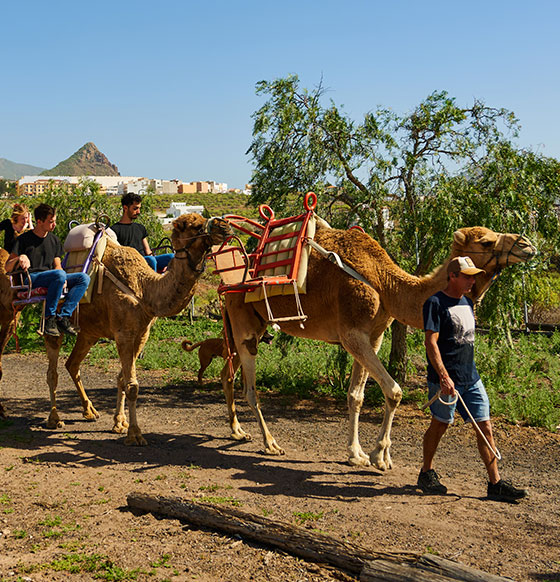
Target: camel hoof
[[274, 450], [54, 423], [241, 436], [381, 460], [119, 428], [90, 413], [359, 462], [135, 441]]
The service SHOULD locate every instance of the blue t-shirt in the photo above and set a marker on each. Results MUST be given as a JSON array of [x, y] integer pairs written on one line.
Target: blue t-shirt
[[453, 319]]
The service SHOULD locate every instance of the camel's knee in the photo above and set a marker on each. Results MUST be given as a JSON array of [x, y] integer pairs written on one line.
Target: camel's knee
[[131, 391], [355, 402], [251, 345], [395, 395]]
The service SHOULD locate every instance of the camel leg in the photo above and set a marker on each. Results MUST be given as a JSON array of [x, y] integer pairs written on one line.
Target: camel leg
[[358, 345], [120, 424], [6, 331], [356, 455], [247, 354], [53, 345], [81, 349], [128, 352], [237, 433]]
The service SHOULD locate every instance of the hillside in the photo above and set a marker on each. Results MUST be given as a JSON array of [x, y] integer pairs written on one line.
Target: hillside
[[14, 171], [87, 161]]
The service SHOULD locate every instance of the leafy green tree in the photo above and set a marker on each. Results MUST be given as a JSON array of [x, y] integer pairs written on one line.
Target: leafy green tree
[[7, 187], [432, 170]]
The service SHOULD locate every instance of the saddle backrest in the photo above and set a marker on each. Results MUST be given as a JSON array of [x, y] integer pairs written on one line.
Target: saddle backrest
[[85, 246]]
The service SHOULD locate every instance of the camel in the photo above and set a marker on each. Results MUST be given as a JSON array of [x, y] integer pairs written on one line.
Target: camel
[[7, 318], [127, 317], [344, 311]]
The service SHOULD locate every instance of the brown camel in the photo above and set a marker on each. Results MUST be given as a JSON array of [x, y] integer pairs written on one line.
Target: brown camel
[[344, 311], [128, 317], [7, 319]]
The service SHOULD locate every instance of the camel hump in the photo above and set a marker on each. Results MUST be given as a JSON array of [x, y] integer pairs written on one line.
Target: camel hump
[[4, 254]]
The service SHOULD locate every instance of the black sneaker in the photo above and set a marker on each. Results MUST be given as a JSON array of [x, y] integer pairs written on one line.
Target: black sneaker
[[428, 481], [505, 491], [65, 325], [50, 326]]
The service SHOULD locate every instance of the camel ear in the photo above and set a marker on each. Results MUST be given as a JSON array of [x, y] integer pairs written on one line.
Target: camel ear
[[459, 237]]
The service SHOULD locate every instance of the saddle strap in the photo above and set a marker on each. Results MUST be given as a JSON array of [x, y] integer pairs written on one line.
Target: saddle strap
[[334, 258]]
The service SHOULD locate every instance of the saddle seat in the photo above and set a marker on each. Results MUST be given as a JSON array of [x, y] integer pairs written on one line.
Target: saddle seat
[[278, 266]]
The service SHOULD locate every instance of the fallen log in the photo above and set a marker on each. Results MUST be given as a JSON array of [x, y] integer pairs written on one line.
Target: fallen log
[[370, 566]]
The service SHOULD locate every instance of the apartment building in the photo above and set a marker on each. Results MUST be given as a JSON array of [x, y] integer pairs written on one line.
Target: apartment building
[[37, 185], [119, 185]]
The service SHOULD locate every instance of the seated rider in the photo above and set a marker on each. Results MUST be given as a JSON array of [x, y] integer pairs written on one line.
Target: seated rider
[[39, 251], [15, 225], [133, 234]]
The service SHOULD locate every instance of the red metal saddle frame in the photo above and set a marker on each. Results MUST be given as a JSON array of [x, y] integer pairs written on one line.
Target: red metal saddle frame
[[252, 265]]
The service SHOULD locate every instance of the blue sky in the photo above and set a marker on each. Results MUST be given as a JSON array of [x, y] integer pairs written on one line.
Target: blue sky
[[166, 88]]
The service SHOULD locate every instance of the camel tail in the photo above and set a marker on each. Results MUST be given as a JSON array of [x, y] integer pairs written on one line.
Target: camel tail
[[189, 346]]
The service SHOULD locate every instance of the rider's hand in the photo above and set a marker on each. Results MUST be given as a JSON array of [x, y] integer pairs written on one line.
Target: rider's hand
[[24, 262]]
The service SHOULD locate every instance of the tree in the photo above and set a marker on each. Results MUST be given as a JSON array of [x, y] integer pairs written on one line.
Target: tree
[[428, 169]]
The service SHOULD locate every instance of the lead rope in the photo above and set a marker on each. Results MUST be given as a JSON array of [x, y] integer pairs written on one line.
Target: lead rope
[[437, 396]]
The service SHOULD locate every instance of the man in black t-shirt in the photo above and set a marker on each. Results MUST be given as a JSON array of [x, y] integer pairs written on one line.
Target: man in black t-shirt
[[39, 251], [449, 328], [133, 234]]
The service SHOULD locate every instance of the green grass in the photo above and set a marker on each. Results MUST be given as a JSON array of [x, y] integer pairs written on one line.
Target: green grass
[[217, 500], [302, 517], [101, 566]]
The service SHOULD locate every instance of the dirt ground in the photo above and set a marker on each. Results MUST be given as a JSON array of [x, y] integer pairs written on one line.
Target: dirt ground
[[63, 492]]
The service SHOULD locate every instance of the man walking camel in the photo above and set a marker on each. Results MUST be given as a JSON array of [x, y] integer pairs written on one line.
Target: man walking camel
[[449, 338]]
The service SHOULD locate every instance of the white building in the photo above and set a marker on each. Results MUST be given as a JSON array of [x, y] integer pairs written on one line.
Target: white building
[[177, 208]]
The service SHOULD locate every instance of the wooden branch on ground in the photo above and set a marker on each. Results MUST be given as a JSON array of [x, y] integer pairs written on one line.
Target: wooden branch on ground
[[370, 566]]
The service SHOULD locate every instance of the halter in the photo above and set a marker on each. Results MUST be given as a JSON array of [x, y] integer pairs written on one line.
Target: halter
[[190, 241], [496, 254]]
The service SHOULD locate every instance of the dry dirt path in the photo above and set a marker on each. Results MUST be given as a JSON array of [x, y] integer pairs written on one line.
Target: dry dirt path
[[63, 493]]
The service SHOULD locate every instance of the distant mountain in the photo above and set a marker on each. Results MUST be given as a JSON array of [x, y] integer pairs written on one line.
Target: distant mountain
[[14, 171], [87, 161]]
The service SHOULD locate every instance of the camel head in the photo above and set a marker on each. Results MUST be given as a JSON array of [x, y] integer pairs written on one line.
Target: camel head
[[491, 251], [194, 235]]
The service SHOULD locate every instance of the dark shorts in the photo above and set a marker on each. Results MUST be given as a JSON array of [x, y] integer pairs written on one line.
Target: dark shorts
[[474, 396]]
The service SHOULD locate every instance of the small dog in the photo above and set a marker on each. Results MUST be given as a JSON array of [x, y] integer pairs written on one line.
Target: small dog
[[207, 351], [214, 347]]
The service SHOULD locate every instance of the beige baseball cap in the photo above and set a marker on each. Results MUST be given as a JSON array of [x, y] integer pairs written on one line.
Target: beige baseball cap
[[463, 265]]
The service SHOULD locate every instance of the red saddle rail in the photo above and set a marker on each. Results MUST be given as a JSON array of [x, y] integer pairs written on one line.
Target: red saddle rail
[[253, 265]]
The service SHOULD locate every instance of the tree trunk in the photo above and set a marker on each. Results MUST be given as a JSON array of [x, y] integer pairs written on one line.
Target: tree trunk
[[398, 357], [371, 566]]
